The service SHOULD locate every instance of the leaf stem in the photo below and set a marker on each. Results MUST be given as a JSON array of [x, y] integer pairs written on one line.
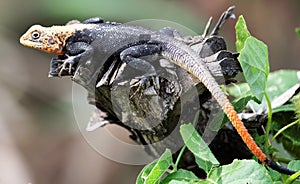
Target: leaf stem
[[268, 127], [195, 121], [179, 157], [284, 128], [292, 178], [283, 160]]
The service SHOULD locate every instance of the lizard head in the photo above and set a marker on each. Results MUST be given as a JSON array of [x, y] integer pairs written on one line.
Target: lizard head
[[47, 39]]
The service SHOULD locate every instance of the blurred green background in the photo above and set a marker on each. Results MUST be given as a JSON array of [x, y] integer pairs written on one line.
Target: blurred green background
[[39, 139]]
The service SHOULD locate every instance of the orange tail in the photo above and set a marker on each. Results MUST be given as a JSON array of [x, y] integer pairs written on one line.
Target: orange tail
[[243, 132]]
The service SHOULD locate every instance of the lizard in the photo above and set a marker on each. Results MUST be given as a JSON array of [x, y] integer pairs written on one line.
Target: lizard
[[131, 42]]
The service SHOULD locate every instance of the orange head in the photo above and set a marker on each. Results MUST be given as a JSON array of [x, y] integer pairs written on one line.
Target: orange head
[[47, 39]]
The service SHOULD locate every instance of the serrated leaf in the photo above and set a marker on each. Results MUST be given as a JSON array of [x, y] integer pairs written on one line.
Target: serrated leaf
[[240, 171], [255, 64], [242, 33], [181, 175], [204, 157], [154, 172]]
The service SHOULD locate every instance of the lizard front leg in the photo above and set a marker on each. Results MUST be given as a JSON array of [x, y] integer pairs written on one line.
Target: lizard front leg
[[78, 51], [55, 63]]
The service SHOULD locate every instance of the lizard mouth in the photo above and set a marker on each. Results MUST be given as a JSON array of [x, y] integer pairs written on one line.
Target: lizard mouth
[[23, 41], [41, 46], [31, 44]]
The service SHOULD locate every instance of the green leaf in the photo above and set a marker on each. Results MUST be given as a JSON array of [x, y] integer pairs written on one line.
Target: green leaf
[[178, 182], [145, 172], [279, 82], [290, 137], [204, 157], [153, 173], [277, 182], [276, 176], [240, 171], [218, 121], [239, 90], [298, 31], [294, 165], [255, 64], [240, 103], [284, 108], [242, 33], [181, 175], [296, 103], [253, 58]]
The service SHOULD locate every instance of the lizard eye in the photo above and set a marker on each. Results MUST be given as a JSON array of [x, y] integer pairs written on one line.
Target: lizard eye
[[35, 35]]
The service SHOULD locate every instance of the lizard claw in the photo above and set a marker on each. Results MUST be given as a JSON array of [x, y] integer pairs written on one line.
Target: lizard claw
[[66, 66]]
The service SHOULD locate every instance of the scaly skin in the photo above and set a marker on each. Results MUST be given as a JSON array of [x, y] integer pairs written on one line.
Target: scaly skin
[[53, 40]]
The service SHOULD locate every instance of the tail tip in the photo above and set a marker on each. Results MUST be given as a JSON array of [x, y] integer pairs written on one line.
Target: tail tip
[[278, 168]]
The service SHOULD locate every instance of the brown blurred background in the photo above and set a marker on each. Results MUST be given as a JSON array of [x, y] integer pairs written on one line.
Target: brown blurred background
[[39, 139]]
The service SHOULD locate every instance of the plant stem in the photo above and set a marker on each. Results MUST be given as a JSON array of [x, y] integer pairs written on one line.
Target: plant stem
[[284, 128], [283, 160], [195, 121], [179, 157], [268, 127], [292, 178]]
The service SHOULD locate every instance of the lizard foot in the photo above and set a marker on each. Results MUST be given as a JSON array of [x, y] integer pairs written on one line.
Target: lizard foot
[[145, 85], [66, 66], [55, 63]]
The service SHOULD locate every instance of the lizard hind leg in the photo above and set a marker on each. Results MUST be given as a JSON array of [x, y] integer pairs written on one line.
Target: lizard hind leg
[[131, 56]]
